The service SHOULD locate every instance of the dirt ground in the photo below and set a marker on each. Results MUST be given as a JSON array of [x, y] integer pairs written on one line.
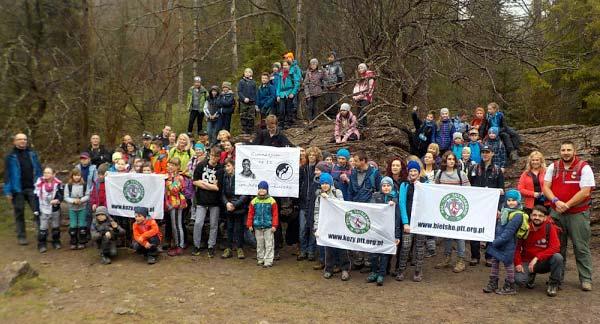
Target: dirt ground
[[73, 286]]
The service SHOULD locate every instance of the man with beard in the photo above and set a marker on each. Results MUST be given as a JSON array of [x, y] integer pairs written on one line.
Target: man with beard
[[568, 184]]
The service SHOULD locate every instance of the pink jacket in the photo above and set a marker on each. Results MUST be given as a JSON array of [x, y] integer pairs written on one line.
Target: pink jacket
[[364, 88], [344, 127]]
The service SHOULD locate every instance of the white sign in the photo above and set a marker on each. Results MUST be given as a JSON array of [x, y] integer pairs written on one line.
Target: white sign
[[466, 213], [279, 166], [125, 191], [357, 226]]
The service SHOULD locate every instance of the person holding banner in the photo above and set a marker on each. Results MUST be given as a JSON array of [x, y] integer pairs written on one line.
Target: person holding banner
[[450, 175]]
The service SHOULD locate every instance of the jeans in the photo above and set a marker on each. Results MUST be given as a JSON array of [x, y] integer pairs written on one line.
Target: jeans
[[312, 107], [235, 230], [224, 122], [18, 201], [577, 228], [307, 237], [77, 218], [199, 117], [379, 263], [331, 255], [212, 127], [152, 251], [554, 265], [460, 247], [285, 114], [201, 212]]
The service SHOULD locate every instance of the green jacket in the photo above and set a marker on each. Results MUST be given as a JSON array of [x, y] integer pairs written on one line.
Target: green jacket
[[201, 101]]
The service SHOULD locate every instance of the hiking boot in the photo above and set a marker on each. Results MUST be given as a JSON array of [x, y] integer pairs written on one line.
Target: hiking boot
[[327, 275], [379, 280], [318, 266], [586, 286], [301, 256], [445, 263], [80, 246], [22, 241], [240, 254], [195, 251], [43, 248], [172, 252], [226, 254], [552, 290], [345, 275], [418, 276], [211, 252], [105, 260], [530, 281], [56, 245], [336, 269], [400, 276], [277, 256], [73, 247], [151, 259], [259, 263], [488, 263], [372, 277], [509, 288], [473, 262], [459, 266], [492, 286], [267, 266]]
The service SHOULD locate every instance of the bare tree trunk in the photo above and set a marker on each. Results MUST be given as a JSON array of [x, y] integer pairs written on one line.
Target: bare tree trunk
[[196, 35], [181, 56], [300, 31], [234, 52], [88, 88]]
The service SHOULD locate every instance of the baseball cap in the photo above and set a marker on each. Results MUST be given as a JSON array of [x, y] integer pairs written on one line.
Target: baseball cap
[[486, 148]]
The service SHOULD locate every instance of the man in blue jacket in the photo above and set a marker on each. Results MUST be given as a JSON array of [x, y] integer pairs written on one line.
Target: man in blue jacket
[[22, 171]]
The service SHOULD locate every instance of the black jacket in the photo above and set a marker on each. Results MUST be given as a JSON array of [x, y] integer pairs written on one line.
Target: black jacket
[[99, 155], [278, 140], [490, 177], [240, 202], [308, 187]]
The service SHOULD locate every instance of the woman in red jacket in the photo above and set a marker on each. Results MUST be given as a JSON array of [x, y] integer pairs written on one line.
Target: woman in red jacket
[[532, 180]]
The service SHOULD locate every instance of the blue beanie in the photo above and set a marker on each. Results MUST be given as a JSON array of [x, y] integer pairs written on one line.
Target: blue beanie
[[387, 180], [141, 210], [263, 185], [199, 146], [413, 165], [343, 152], [326, 178], [494, 130], [513, 194]]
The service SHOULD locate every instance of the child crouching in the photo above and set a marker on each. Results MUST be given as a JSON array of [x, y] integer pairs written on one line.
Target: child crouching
[[146, 235], [263, 219], [105, 232]]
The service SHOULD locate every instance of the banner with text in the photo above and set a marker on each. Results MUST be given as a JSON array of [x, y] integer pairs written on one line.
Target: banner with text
[[357, 226], [457, 212], [279, 166], [125, 191]]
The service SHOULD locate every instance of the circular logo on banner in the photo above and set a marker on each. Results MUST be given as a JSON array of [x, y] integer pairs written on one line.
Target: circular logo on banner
[[133, 191], [284, 171], [454, 207], [357, 221]]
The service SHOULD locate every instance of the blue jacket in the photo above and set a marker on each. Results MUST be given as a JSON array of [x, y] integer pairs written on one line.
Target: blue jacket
[[265, 98], [336, 173], [405, 200], [505, 242], [496, 120], [288, 86], [295, 71], [499, 150], [381, 198], [247, 89], [457, 150], [12, 173], [444, 135], [276, 80], [363, 192], [475, 151]]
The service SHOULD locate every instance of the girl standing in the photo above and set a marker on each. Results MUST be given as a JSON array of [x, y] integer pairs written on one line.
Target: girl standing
[[77, 198], [175, 203], [49, 191]]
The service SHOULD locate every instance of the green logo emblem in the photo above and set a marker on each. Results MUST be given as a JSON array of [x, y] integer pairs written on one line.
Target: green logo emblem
[[357, 221], [133, 191], [454, 207]]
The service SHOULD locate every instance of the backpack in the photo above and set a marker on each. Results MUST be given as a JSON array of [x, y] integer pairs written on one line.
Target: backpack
[[438, 175], [523, 230], [70, 185], [188, 187]]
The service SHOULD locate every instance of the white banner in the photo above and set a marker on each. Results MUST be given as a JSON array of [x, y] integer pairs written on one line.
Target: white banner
[[125, 191], [279, 166], [456, 212], [357, 226]]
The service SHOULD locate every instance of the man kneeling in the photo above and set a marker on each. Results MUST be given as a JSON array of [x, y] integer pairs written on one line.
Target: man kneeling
[[539, 252], [105, 232]]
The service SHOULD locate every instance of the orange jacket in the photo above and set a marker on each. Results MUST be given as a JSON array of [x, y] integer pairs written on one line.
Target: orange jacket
[[142, 232], [159, 162]]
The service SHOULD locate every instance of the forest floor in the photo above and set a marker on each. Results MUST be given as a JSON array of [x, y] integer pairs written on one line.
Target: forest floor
[[73, 286]]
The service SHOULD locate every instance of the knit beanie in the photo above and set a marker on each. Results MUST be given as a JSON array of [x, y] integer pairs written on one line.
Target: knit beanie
[[263, 185], [387, 180], [413, 165], [345, 107], [277, 65], [101, 210], [323, 167], [200, 146], [457, 135], [513, 194], [314, 61], [444, 111], [326, 178], [226, 84], [343, 152], [493, 130], [141, 210]]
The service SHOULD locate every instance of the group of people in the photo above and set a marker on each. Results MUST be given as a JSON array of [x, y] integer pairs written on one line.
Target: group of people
[[277, 93], [550, 205]]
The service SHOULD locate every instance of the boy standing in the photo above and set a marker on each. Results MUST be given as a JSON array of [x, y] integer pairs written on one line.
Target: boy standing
[[247, 98], [263, 219], [265, 98], [146, 235]]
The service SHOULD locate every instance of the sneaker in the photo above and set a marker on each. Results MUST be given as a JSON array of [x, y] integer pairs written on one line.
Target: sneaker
[[43, 249], [73, 247], [172, 252], [336, 269], [507, 289], [151, 259], [56, 245], [492, 286], [311, 257], [552, 290], [240, 254], [226, 254], [473, 262], [211, 252], [444, 264], [379, 280], [459, 266], [345, 276], [530, 281], [372, 277], [260, 263], [318, 266], [418, 276], [400, 276], [22, 241], [327, 275], [301, 256], [105, 260], [267, 266], [80, 246], [586, 286], [195, 251]]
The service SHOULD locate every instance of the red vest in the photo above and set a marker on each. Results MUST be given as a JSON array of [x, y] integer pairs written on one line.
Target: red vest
[[565, 184]]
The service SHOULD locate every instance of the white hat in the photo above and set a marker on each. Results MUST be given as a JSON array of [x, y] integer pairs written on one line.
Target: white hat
[[314, 61], [197, 79], [345, 106]]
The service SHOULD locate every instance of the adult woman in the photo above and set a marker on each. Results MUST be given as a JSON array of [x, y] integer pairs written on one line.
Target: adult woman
[[183, 152], [306, 203], [396, 169], [429, 167], [532, 180], [450, 175]]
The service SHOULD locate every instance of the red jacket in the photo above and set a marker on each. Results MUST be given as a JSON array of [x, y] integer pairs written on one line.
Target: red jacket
[[565, 184], [536, 246], [526, 186], [98, 194]]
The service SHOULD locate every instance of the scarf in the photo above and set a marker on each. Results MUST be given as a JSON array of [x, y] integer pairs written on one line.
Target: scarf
[[47, 187], [504, 214], [284, 75]]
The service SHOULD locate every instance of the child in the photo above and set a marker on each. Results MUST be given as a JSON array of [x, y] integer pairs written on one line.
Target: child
[[346, 126], [147, 168], [200, 151], [446, 129], [265, 97], [460, 122], [509, 137], [160, 157], [502, 249], [98, 191], [105, 232], [236, 208], [434, 149], [475, 145], [479, 122], [136, 166], [121, 166], [313, 87], [458, 145], [263, 219], [341, 171], [146, 236], [115, 158], [275, 76], [388, 196], [76, 195], [247, 97], [425, 131], [175, 203], [226, 106], [212, 113], [203, 139], [499, 158], [49, 192], [332, 255]]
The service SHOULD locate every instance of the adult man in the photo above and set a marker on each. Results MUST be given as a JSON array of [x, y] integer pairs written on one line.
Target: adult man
[[332, 81], [539, 252], [98, 154], [126, 140], [23, 168], [485, 175], [246, 171], [146, 152], [164, 136], [568, 184], [364, 181], [196, 97]]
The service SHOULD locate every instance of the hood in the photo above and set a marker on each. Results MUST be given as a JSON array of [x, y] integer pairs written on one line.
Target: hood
[[214, 88]]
